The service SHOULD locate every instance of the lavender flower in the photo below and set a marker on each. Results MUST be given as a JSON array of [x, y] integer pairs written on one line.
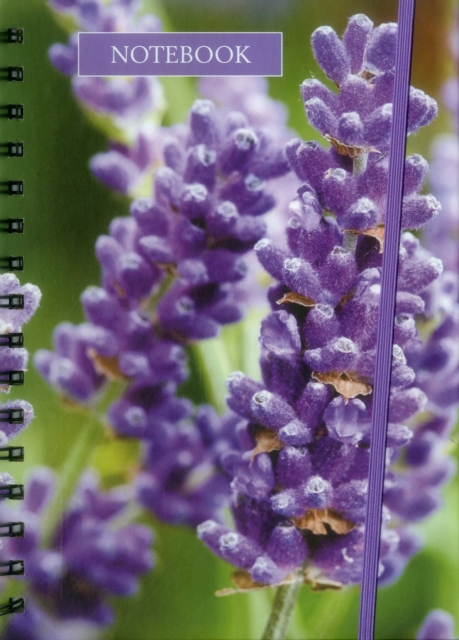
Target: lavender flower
[[250, 96], [124, 100], [443, 233], [362, 65], [16, 414], [169, 275], [436, 362], [439, 625], [91, 557], [300, 473], [135, 106], [127, 167], [128, 108], [123, 168]]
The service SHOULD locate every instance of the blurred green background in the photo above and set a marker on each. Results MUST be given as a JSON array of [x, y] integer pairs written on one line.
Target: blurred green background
[[66, 209]]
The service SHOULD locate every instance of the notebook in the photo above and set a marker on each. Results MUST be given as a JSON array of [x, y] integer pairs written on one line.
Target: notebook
[[193, 226]]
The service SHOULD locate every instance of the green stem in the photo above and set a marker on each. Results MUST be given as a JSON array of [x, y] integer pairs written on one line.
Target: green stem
[[164, 287], [282, 611], [215, 367], [179, 91], [90, 435]]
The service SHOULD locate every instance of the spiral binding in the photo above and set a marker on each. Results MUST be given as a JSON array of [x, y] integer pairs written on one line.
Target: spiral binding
[[12, 225], [12, 263], [12, 454], [12, 340], [12, 301]]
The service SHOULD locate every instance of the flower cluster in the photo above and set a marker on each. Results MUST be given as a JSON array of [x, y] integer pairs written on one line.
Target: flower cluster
[[16, 414], [131, 106], [300, 473], [123, 168], [125, 100], [92, 556], [169, 276], [135, 106], [250, 96]]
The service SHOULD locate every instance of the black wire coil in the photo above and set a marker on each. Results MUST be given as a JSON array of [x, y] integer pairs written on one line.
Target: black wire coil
[[12, 567]]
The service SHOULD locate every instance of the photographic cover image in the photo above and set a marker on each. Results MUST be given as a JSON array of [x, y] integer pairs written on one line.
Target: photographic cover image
[[201, 364]]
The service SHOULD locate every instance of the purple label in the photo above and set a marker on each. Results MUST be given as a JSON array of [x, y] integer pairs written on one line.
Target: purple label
[[180, 54]]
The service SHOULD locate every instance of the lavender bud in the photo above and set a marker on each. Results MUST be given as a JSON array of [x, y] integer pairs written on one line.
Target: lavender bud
[[380, 54], [404, 404], [201, 166], [416, 169], [321, 326], [356, 96], [150, 218], [347, 422], [279, 335], [422, 110], [295, 433], [271, 410], [383, 88], [286, 503], [195, 201], [203, 122], [316, 493], [266, 571], [168, 185], [338, 190], [301, 277], [377, 127], [418, 210], [321, 117], [339, 272], [174, 156], [361, 215], [355, 40], [287, 547], [271, 258], [241, 389], [350, 129], [155, 249], [115, 170], [237, 549], [419, 276], [238, 151], [438, 625], [330, 54], [64, 58], [254, 477], [312, 88]]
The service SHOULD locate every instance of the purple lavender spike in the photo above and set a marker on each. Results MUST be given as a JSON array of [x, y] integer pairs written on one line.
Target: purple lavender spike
[[355, 39], [105, 559], [315, 434]]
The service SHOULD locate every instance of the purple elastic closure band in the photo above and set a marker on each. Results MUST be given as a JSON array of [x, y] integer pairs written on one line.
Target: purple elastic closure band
[[386, 320]]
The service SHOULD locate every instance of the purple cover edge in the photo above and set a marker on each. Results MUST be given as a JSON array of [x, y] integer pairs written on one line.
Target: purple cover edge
[[386, 321]]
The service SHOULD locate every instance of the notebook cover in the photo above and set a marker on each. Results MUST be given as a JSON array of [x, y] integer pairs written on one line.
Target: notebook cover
[[202, 410]]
